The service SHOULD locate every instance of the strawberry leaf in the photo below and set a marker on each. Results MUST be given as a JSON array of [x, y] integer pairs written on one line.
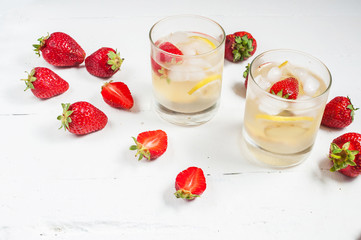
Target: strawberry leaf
[[342, 157]]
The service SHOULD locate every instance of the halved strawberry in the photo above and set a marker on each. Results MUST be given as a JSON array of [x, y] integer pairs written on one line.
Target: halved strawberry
[[117, 95], [169, 48], [150, 144], [190, 183], [286, 88]]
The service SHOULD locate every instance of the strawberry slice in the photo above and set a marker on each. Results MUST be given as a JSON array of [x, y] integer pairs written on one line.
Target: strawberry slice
[[190, 183], [169, 48], [150, 144], [117, 95], [286, 88]]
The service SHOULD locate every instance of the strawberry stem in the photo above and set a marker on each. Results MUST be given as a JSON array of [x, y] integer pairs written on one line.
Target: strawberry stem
[[141, 151], [181, 193], [65, 117], [352, 108], [342, 157], [114, 60], [38, 47], [242, 48], [29, 81]]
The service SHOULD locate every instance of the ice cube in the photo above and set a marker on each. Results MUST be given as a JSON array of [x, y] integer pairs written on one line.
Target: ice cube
[[198, 62], [274, 74], [185, 73], [178, 37], [310, 85], [272, 106], [262, 82], [300, 73]]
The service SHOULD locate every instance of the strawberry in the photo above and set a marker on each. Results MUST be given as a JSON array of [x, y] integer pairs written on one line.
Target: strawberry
[[190, 183], [345, 154], [169, 48], [339, 113], [239, 46], [117, 95], [150, 144], [286, 88], [245, 75], [82, 118], [59, 49], [45, 83], [104, 62]]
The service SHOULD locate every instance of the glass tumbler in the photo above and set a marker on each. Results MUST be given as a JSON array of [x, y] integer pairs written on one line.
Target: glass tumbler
[[187, 57], [280, 130]]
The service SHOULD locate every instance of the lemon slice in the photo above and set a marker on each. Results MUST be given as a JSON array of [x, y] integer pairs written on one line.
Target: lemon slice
[[205, 40], [283, 64], [284, 118], [204, 82]]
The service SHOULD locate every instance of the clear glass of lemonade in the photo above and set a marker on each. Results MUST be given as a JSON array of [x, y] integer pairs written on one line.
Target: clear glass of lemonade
[[187, 57], [281, 131]]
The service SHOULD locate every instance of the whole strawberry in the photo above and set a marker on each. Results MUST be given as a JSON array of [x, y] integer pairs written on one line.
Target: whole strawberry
[[117, 95], [59, 49], [150, 144], [339, 113], [104, 62], [82, 118], [239, 46], [44, 83], [286, 88], [190, 183], [345, 154]]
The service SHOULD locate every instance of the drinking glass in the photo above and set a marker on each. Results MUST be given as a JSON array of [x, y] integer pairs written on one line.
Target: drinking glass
[[187, 57], [280, 131]]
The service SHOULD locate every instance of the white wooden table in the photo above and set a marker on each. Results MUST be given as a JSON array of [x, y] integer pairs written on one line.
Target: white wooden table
[[55, 185]]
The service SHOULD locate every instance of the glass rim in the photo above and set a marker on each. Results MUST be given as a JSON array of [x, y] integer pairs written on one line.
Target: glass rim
[[297, 52], [183, 16]]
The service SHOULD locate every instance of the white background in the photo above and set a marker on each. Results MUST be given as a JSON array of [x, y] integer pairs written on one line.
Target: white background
[[55, 185]]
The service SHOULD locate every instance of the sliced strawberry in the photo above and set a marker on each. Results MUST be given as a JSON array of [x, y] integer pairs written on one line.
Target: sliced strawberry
[[158, 69], [286, 88], [169, 48], [190, 183], [117, 95], [150, 144]]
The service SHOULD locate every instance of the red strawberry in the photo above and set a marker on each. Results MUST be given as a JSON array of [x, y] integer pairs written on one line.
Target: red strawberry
[[339, 113], [286, 88], [104, 62], [245, 75], [45, 83], [59, 49], [190, 183], [82, 118], [117, 95], [345, 154], [169, 48], [150, 144], [240, 46]]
